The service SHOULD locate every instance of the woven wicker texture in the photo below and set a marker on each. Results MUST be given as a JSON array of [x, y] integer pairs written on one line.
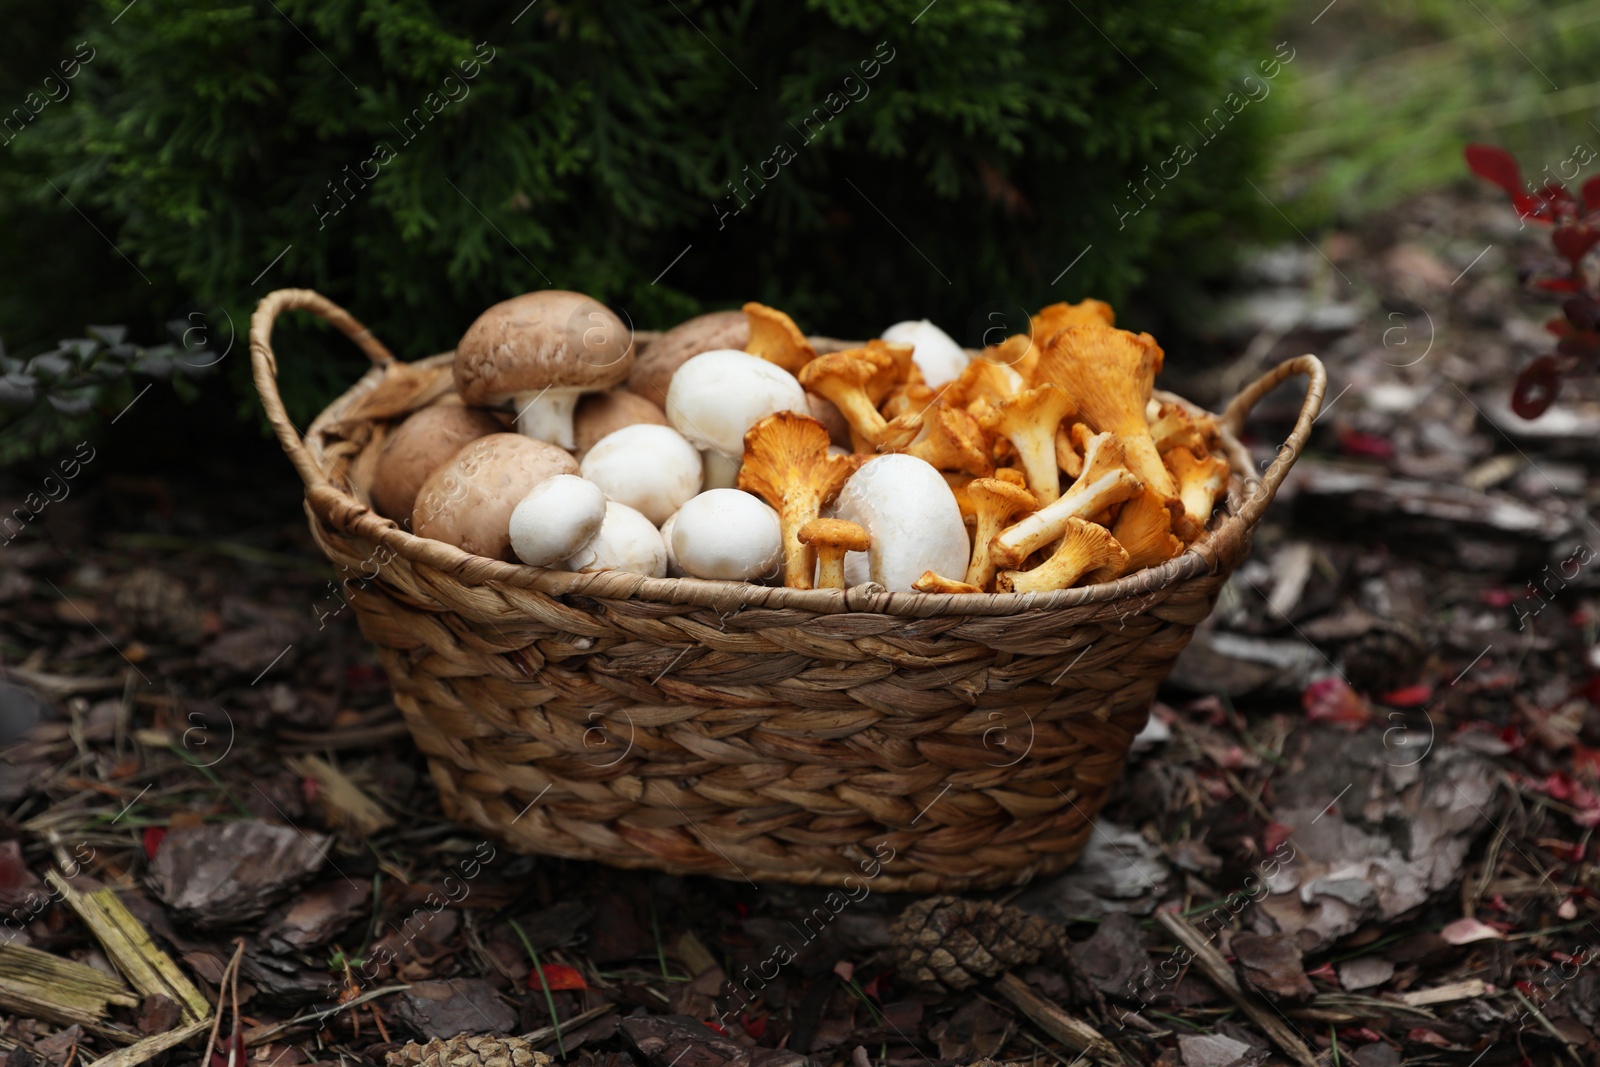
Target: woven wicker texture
[[923, 741]]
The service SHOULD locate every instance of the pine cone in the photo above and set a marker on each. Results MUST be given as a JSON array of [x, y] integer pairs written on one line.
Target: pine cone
[[159, 607], [467, 1050], [948, 943]]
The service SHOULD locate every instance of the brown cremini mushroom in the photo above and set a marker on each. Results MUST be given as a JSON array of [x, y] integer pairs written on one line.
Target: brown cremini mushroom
[[1144, 528], [775, 338], [1111, 373], [1087, 550], [787, 464], [831, 539], [995, 502], [660, 359], [542, 351], [1029, 420], [418, 447], [468, 502], [938, 583], [599, 414], [824, 412], [1104, 482], [1201, 483]]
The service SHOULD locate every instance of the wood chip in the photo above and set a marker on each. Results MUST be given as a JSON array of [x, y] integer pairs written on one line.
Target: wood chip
[[38, 985], [348, 808], [694, 954], [128, 945]]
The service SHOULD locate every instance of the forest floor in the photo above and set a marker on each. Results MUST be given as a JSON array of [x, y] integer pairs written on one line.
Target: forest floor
[[1357, 831]]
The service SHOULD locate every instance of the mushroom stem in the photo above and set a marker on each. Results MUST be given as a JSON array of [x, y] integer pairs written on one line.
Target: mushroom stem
[[1029, 421], [1085, 549], [1016, 543], [830, 567], [994, 504], [832, 538], [547, 415]]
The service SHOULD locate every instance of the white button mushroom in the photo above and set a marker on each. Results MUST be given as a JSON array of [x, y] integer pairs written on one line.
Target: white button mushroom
[[934, 351], [627, 541], [673, 569], [652, 469], [556, 519], [912, 517], [728, 534], [718, 395]]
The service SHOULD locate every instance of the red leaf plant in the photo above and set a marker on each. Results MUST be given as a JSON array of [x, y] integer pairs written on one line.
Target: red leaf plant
[[1574, 223]]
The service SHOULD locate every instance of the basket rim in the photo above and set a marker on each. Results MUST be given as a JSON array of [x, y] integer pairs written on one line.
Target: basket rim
[[328, 502]]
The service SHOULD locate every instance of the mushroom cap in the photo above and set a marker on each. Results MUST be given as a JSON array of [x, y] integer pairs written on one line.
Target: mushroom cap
[[627, 541], [911, 515], [1088, 312], [419, 446], [1087, 551], [557, 518], [468, 502], [717, 396], [1110, 373], [952, 440], [652, 469], [1144, 528], [727, 534], [1202, 481], [550, 339], [653, 370], [936, 353], [835, 533], [938, 583], [775, 338], [599, 414]]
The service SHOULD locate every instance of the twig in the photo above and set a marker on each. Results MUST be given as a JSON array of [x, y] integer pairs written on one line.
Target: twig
[[1069, 1030], [233, 986], [222, 998], [545, 1033], [1549, 1026], [1216, 968], [150, 1047], [262, 1034]]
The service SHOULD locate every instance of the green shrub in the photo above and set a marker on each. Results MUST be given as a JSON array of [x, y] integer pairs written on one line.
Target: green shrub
[[1383, 114], [852, 162]]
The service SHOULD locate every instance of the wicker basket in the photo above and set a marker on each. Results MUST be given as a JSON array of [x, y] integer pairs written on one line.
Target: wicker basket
[[928, 741]]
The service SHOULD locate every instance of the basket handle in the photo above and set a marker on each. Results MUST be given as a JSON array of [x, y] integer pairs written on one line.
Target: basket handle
[[264, 366], [1260, 491]]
